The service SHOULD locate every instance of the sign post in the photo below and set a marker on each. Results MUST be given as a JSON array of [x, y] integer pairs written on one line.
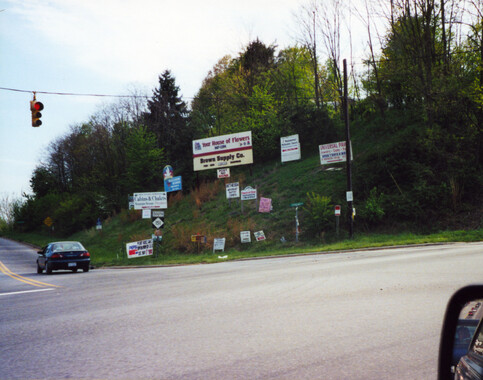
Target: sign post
[[337, 217], [297, 224]]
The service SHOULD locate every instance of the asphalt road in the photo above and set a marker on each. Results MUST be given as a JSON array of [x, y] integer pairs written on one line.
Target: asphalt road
[[359, 315]]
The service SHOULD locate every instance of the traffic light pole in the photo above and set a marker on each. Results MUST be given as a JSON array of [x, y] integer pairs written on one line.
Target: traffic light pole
[[348, 155]]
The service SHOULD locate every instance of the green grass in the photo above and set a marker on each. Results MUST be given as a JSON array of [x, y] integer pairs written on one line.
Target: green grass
[[215, 216]]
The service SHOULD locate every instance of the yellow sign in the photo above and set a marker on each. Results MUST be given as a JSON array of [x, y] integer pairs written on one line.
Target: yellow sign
[[48, 221]]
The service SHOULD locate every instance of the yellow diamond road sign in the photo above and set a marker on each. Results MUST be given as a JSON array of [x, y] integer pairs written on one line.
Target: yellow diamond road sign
[[48, 221]]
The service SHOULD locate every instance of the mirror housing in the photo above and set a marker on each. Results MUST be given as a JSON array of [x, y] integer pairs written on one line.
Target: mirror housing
[[455, 305]]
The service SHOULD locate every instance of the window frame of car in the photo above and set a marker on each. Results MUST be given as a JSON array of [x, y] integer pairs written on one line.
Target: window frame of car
[[474, 355]]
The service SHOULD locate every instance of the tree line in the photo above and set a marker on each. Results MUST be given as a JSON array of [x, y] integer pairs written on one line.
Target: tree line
[[416, 110]]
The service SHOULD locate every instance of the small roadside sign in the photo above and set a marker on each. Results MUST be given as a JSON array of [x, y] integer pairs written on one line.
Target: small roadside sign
[[232, 190], [223, 173], [157, 219], [245, 237], [337, 210], [48, 221], [298, 204], [248, 193]]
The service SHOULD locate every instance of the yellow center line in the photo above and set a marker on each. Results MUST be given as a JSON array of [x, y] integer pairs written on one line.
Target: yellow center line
[[26, 280]]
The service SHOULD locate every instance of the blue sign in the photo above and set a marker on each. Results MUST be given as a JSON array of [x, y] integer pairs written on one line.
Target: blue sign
[[172, 184]]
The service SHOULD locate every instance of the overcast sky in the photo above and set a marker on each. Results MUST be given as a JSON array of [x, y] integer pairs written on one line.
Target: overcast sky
[[108, 47]]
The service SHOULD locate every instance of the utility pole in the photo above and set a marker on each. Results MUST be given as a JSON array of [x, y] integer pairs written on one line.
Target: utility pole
[[348, 152], [316, 71]]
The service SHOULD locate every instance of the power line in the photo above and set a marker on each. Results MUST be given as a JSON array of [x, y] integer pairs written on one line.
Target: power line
[[72, 93]]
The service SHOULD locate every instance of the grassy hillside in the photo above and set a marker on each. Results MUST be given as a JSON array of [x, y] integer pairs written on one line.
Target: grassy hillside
[[207, 211]]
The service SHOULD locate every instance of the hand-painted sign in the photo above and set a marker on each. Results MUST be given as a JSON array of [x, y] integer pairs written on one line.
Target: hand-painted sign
[[290, 148], [265, 205], [223, 151], [173, 184], [332, 153], [232, 190], [139, 248], [150, 200], [248, 193]]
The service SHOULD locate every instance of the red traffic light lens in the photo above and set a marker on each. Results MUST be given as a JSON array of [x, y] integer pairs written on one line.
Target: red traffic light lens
[[38, 106]]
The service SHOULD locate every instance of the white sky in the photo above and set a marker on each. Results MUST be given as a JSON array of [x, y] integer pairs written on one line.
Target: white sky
[[106, 47]]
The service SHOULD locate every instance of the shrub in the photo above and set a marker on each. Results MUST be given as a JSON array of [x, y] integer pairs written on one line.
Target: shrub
[[319, 214]]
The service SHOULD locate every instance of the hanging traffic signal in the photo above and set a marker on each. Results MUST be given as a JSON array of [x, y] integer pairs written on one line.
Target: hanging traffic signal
[[36, 107]]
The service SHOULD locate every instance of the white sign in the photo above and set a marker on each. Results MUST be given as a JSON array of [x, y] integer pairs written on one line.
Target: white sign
[[248, 193], [223, 173], [139, 248], [146, 213], [232, 190], [245, 237], [259, 235], [332, 153], [219, 244], [290, 148], [223, 151], [349, 196], [150, 200]]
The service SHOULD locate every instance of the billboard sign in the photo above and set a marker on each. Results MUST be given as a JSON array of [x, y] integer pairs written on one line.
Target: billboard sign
[[290, 148], [332, 153], [223, 151], [139, 248], [150, 200]]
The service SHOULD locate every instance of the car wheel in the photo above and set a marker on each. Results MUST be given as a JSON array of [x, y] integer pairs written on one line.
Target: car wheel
[[39, 269], [48, 268], [86, 269]]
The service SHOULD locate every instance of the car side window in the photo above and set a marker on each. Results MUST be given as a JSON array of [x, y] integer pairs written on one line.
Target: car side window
[[477, 346]]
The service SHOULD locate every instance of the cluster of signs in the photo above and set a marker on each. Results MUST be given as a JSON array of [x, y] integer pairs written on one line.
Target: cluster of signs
[[245, 236]]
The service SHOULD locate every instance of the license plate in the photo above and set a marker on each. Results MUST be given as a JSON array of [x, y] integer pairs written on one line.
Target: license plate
[[72, 264]]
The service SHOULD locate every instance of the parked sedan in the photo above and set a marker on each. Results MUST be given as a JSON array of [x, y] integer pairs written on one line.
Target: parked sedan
[[67, 255]]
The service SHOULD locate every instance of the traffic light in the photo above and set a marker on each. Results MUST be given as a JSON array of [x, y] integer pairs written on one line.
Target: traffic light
[[36, 107]]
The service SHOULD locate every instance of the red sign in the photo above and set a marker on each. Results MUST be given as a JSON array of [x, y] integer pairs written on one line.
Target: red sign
[[337, 210]]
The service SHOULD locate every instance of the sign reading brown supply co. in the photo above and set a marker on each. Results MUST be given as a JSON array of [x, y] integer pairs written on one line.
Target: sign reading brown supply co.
[[223, 151]]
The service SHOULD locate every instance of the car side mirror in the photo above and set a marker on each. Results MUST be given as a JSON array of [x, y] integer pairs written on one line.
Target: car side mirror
[[40, 252], [463, 316]]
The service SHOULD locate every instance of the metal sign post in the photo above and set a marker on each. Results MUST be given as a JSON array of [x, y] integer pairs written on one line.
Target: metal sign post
[[297, 224]]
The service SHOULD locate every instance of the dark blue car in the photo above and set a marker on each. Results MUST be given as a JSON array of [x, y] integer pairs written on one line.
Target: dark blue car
[[67, 255]]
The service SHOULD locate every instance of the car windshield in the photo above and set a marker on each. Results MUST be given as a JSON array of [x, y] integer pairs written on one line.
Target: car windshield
[[67, 246]]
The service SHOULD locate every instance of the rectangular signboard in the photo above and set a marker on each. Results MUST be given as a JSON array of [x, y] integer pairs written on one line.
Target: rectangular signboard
[[150, 200], [245, 237], [223, 173], [259, 235], [248, 193], [265, 205], [172, 184], [232, 190], [223, 151], [332, 153], [290, 148], [139, 248]]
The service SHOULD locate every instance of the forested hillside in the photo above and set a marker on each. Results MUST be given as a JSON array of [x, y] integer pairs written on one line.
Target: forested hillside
[[416, 116]]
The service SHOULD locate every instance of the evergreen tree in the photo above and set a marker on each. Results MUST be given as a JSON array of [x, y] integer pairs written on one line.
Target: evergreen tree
[[167, 118]]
